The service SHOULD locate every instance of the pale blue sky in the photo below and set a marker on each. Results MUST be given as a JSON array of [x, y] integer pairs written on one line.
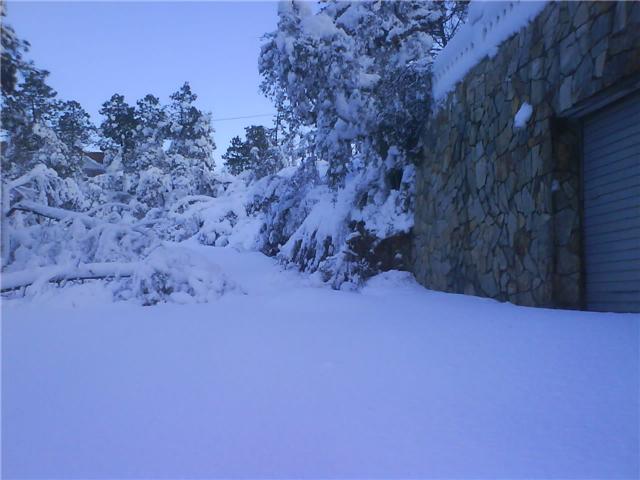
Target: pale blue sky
[[95, 49]]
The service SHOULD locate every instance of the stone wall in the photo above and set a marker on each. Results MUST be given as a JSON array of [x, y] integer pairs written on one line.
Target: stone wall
[[498, 207]]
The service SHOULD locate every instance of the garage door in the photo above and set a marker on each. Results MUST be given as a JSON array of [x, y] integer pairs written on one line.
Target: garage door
[[611, 176]]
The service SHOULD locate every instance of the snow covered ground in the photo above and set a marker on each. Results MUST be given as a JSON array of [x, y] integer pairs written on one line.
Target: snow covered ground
[[283, 377]]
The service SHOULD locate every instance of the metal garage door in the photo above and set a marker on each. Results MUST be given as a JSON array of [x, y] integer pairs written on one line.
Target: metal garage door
[[611, 175]]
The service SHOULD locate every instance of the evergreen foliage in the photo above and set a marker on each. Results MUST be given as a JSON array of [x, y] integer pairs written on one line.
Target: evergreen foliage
[[73, 125], [190, 129], [32, 122], [118, 128], [257, 153], [151, 133], [12, 61]]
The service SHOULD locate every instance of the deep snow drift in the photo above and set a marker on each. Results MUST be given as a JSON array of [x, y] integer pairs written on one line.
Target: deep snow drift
[[284, 377]]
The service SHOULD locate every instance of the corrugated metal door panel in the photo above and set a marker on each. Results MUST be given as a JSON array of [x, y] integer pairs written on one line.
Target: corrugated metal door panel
[[614, 141], [606, 256], [610, 177], [607, 217], [611, 193], [619, 160], [629, 265], [619, 180]]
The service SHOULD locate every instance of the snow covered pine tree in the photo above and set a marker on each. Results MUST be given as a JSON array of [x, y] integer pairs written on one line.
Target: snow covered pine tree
[[354, 79]]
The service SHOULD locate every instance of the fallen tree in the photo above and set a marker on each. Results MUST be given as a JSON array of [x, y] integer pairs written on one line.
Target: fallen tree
[[53, 213], [38, 277]]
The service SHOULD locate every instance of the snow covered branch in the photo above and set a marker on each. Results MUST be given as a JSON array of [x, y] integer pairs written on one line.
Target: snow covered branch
[[43, 275], [53, 213]]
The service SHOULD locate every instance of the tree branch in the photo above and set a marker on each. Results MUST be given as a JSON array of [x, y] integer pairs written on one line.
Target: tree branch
[[43, 275], [52, 212]]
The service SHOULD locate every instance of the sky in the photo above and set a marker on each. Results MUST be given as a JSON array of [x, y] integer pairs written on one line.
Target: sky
[[96, 49]]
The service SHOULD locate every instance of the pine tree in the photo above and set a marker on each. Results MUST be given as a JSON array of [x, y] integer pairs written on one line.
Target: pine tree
[[190, 129], [118, 129], [265, 155], [316, 73], [150, 116], [12, 60], [257, 152], [72, 125], [237, 158], [354, 76], [28, 112], [151, 132], [55, 154], [37, 97]]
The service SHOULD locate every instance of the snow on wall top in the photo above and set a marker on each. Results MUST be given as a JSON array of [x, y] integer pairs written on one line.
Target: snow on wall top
[[488, 25]]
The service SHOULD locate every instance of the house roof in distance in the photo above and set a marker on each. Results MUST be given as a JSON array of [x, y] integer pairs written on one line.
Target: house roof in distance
[[95, 156]]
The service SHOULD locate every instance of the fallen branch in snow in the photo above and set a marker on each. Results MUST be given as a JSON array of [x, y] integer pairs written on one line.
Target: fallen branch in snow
[[52, 212], [43, 275], [61, 214]]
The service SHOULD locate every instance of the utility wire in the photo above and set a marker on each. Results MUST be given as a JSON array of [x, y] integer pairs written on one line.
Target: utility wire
[[239, 118]]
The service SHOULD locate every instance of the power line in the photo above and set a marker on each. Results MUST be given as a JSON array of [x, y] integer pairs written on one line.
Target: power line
[[240, 118]]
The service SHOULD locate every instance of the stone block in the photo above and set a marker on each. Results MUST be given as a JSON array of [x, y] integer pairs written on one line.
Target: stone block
[[569, 55], [601, 26], [488, 284], [620, 17], [537, 69], [598, 68], [538, 91], [524, 282], [619, 44], [565, 99], [503, 140], [581, 14], [582, 77]]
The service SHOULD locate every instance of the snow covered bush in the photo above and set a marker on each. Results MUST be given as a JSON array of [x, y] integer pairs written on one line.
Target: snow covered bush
[[284, 203], [174, 274], [348, 234], [153, 187], [43, 185]]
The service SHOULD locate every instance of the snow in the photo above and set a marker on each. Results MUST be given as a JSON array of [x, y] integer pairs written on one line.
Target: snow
[[284, 377], [327, 218], [319, 26], [489, 24], [522, 115]]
